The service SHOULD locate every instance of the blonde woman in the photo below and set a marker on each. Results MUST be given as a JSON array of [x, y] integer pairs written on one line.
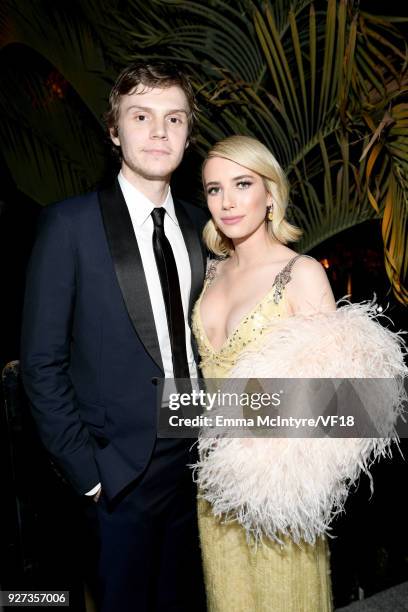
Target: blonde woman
[[256, 289]]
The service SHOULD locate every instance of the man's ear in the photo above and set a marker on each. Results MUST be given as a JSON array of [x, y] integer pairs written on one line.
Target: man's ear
[[113, 133], [187, 144]]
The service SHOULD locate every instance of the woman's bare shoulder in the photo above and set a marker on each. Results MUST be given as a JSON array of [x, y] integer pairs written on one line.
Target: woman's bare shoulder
[[306, 268], [309, 290]]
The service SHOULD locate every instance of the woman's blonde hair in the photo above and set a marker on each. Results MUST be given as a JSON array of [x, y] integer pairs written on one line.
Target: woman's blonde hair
[[252, 154]]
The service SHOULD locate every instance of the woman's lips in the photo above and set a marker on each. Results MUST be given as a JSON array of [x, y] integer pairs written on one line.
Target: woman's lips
[[231, 220]]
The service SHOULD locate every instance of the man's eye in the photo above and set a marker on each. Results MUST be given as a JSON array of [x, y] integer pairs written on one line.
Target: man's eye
[[141, 117], [244, 184], [175, 120]]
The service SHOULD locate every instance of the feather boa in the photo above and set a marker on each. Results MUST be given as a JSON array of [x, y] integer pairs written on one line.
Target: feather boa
[[294, 487]]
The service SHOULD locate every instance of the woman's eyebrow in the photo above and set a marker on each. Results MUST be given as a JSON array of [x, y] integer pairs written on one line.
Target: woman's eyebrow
[[212, 183], [235, 178]]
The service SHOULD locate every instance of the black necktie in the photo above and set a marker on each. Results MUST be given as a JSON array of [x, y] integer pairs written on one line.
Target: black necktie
[[169, 280]]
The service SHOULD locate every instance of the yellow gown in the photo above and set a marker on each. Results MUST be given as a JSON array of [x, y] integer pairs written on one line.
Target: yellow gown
[[242, 576]]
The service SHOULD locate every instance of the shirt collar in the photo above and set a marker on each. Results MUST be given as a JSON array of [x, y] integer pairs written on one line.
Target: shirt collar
[[140, 207]]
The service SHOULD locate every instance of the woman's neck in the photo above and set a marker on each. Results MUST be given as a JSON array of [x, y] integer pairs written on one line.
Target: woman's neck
[[253, 250]]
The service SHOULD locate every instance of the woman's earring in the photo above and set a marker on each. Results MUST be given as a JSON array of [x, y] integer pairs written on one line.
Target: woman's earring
[[269, 213]]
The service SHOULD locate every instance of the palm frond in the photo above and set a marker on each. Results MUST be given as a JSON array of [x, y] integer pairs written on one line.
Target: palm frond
[[43, 140], [53, 69], [67, 42]]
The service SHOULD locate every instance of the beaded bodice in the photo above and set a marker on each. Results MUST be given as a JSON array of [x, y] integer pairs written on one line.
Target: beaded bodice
[[250, 329]]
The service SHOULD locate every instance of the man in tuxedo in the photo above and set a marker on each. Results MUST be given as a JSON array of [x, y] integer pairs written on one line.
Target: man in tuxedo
[[110, 287]]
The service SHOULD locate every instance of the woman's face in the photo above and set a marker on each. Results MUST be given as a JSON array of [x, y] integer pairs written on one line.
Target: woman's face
[[236, 198]]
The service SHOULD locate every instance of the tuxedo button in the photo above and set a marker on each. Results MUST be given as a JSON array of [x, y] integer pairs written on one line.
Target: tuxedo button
[[155, 381]]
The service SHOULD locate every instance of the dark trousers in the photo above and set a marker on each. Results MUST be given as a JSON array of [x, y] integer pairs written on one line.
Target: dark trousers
[[149, 548]]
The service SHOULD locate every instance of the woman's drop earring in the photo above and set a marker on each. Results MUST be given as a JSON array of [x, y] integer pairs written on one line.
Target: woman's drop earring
[[269, 213]]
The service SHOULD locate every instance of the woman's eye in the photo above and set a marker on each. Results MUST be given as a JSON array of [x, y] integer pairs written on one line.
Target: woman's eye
[[213, 190], [175, 120], [244, 184], [141, 117]]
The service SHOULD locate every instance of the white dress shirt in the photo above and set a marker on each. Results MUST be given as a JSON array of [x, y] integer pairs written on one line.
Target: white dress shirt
[[140, 209]]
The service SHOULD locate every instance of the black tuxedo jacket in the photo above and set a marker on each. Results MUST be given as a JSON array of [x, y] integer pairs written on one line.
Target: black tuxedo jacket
[[90, 356]]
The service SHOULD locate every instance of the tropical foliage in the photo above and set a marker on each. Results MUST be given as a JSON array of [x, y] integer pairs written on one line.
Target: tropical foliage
[[53, 70], [322, 83]]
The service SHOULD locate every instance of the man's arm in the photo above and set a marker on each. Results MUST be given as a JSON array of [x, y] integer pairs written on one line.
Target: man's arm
[[45, 351]]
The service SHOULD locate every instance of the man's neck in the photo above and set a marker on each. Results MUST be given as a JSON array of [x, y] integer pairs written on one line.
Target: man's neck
[[155, 190]]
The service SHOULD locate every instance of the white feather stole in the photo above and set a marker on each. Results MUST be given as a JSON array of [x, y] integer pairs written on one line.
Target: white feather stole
[[294, 487]]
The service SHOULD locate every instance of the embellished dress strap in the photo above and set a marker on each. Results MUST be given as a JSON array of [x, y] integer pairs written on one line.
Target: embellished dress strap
[[211, 272], [283, 277]]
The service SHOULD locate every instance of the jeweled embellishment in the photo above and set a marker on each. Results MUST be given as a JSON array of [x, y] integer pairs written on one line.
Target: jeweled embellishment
[[211, 270]]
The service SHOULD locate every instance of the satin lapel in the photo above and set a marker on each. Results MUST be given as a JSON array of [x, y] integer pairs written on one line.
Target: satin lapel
[[195, 252], [129, 268]]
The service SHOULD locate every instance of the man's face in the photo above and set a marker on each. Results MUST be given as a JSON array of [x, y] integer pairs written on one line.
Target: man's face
[[152, 132]]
